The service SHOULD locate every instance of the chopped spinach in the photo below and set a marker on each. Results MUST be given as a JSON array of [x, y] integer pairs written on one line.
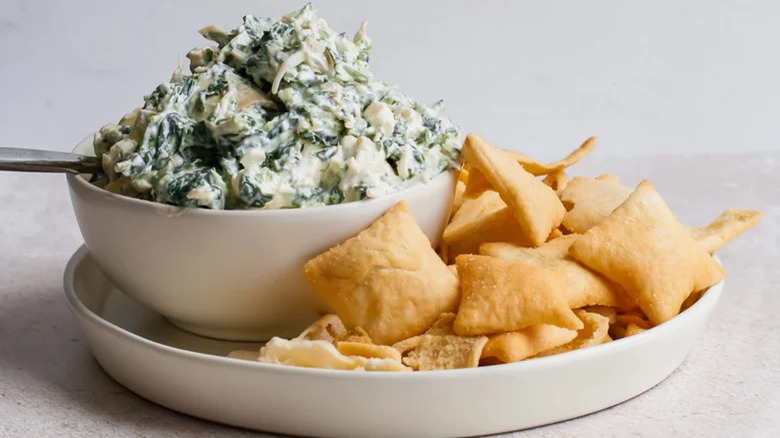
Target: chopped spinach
[[275, 115]]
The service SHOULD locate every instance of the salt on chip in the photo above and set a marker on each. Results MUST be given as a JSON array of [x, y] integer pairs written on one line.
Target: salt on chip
[[534, 205], [583, 286], [326, 328], [443, 352], [536, 168], [505, 295], [387, 279], [727, 227], [527, 342], [483, 219], [642, 247], [594, 332], [349, 348], [589, 201]]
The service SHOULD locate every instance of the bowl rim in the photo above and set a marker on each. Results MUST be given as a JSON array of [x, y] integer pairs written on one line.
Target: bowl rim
[[709, 299], [80, 182]]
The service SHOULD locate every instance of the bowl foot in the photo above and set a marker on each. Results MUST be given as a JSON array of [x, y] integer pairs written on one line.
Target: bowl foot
[[228, 334]]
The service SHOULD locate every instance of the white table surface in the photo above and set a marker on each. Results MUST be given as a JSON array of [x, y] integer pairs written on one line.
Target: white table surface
[[50, 386]]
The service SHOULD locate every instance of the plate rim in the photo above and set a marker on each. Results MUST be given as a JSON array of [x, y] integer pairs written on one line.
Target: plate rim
[[78, 307]]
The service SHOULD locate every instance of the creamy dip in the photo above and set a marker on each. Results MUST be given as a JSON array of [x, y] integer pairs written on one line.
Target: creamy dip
[[278, 114]]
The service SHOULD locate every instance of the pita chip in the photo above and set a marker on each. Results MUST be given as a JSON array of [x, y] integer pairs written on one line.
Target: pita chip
[[534, 205], [527, 342], [583, 286], [594, 332], [590, 201], [643, 248], [536, 168], [387, 279], [727, 227], [505, 295]]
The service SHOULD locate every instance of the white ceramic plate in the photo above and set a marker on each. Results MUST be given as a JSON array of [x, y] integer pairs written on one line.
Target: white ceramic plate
[[185, 372]]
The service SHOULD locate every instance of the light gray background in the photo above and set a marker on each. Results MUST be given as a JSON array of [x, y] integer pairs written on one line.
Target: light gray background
[[681, 78], [646, 78]]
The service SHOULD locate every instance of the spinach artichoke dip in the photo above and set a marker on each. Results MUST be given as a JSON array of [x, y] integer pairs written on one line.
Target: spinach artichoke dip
[[279, 114]]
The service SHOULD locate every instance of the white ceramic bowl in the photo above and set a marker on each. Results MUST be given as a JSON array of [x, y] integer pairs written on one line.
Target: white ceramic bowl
[[230, 274]]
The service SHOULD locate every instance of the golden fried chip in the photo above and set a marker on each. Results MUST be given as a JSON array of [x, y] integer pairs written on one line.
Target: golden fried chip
[[444, 252], [589, 201], [458, 352], [635, 316], [408, 344], [369, 351], [536, 168], [557, 181], [534, 205], [356, 334], [626, 320], [692, 299], [608, 312], [476, 184], [310, 354], [320, 354], [609, 177], [443, 352], [443, 325], [463, 176], [583, 286], [454, 269], [621, 322], [506, 295], [642, 247], [554, 234], [594, 332], [530, 341], [387, 279], [327, 328], [457, 198], [727, 227], [473, 215], [484, 219]]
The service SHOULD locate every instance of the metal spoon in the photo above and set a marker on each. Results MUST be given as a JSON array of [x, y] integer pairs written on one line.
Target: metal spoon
[[33, 160]]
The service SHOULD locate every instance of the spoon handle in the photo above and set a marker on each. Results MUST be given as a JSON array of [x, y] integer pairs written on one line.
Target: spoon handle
[[33, 160]]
